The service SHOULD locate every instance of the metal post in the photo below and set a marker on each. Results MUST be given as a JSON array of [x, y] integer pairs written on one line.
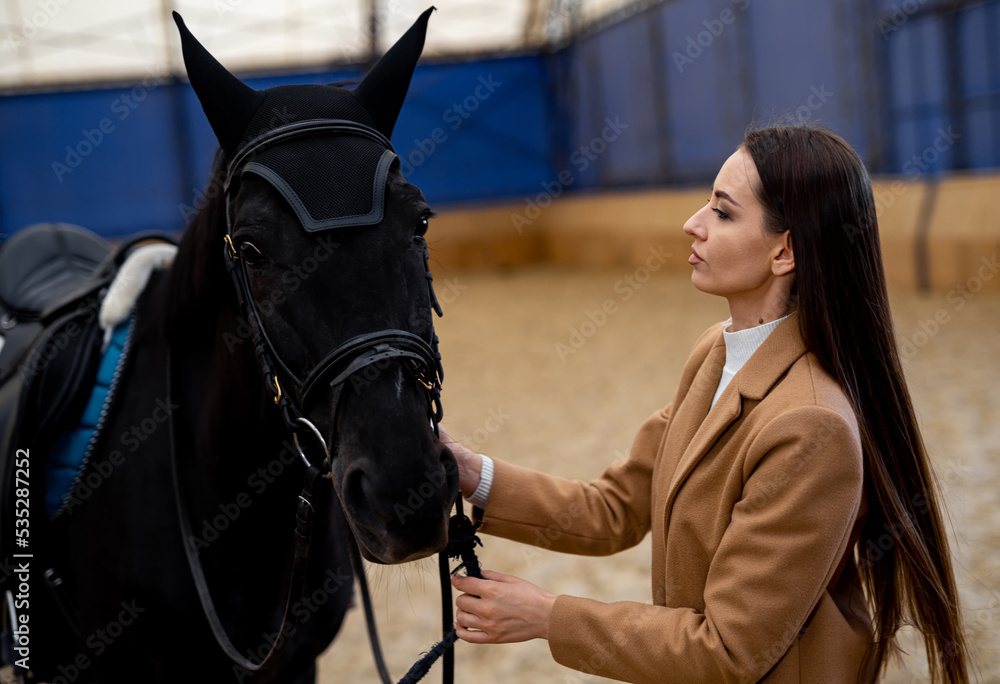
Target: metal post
[[373, 32], [661, 106]]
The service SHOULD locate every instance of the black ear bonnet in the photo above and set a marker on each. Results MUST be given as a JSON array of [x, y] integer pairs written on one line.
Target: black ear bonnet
[[324, 148]]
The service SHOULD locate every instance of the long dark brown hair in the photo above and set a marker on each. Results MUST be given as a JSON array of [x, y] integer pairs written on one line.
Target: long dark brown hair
[[815, 185]]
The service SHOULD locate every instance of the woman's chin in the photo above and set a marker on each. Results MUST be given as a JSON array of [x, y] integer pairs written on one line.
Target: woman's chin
[[699, 279]]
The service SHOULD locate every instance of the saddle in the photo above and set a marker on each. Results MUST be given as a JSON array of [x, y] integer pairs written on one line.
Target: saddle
[[50, 275], [53, 279]]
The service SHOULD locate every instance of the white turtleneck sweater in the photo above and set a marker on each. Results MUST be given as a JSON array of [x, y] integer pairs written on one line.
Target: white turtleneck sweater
[[740, 346]]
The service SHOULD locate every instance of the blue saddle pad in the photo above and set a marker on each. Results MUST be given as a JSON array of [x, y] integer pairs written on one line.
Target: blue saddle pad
[[69, 454]]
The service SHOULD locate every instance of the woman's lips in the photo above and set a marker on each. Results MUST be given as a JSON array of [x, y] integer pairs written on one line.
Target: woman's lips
[[694, 258]]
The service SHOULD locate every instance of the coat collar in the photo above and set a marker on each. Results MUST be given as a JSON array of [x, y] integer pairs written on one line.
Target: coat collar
[[780, 350], [700, 428]]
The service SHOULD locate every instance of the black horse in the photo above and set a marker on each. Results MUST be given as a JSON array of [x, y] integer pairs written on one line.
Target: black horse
[[298, 298]]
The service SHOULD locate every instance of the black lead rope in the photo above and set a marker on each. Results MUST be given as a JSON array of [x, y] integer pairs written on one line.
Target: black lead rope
[[462, 542], [366, 599]]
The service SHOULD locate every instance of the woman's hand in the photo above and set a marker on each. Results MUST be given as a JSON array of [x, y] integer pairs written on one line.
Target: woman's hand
[[503, 609], [470, 464]]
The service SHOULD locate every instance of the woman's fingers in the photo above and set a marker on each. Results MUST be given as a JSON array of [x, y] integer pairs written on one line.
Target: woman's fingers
[[472, 636], [471, 585], [468, 623], [467, 603], [501, 609], [495, 576], [470, 465], [468, 620]]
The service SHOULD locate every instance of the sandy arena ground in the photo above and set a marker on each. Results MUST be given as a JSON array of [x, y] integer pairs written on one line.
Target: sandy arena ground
[[572, 417]]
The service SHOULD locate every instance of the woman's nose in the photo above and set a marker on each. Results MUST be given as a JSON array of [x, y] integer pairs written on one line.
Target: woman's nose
[[694, 226]]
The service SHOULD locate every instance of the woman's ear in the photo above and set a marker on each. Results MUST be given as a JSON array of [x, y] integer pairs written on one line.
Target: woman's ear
[[784, 262]]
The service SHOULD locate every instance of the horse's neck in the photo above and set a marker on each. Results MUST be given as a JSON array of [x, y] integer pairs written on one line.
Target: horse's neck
[[224, 416], [223, 435]]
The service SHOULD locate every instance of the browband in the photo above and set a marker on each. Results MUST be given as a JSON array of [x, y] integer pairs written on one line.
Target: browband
[[300, 128]]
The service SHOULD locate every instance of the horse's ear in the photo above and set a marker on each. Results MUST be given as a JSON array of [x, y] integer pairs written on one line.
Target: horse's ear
[[383, 89], [229, 103]]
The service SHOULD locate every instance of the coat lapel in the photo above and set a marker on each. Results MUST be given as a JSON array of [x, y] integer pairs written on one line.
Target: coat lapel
[[700, 428]]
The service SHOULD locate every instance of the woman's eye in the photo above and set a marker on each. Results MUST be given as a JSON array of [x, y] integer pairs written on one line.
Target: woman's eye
[[722, 215], [250, 253]]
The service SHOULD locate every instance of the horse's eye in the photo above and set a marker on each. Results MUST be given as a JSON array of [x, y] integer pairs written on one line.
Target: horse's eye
[[250, 253], [422, 226]]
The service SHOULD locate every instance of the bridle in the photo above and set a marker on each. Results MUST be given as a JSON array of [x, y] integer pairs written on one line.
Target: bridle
[[421, 358], [356, 353]]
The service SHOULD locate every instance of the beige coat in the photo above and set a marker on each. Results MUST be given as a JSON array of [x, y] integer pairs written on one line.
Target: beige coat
[[755, 509]]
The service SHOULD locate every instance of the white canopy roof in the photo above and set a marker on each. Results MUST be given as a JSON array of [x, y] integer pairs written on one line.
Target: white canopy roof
[[48, 42]]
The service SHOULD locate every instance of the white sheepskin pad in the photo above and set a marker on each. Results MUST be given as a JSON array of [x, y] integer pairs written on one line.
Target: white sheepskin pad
[[131, 281]]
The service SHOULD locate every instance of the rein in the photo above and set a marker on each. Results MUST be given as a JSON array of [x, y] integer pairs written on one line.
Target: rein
[[421, 358]]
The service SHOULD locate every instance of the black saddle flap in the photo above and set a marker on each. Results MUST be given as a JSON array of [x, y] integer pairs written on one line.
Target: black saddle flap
[[58, 374]]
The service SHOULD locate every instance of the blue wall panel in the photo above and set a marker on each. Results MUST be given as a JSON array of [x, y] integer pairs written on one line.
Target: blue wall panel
[[474, 130], [692, 75], [705, 106], [793, 53], [623, 133], [147, 169], [585, 99], [88, 158]]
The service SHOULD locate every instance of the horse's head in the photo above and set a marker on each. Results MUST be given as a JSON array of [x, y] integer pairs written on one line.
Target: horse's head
[[325, 244]]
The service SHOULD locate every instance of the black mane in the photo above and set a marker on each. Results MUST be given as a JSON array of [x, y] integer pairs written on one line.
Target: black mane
[[198, 286]]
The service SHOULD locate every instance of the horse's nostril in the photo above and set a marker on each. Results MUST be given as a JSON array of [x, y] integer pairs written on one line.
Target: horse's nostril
[[362, 500], [355, 498]]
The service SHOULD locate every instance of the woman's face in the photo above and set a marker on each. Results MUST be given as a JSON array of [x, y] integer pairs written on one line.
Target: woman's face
[[733, 254]]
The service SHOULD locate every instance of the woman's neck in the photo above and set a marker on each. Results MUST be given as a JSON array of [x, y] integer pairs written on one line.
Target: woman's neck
[[748, 314]]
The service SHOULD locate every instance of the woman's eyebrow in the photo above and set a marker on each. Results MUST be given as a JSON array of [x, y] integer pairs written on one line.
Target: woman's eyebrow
[[722, 194]]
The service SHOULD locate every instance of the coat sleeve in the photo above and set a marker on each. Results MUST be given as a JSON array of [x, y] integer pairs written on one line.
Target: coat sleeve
[[802, 491], [605, 516]]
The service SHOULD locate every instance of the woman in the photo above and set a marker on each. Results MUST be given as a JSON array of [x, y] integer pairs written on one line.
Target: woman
[[794, 517]]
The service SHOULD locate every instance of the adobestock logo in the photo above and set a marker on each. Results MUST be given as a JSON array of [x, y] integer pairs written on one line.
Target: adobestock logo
[[455, 115], [696, 45], [595, 319], [581, 159], [122, 106]]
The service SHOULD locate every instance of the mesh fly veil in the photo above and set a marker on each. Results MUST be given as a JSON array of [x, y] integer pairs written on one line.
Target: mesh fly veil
[[325, 149]]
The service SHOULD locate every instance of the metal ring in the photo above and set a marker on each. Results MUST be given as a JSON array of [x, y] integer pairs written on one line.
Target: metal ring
[[295, 437]]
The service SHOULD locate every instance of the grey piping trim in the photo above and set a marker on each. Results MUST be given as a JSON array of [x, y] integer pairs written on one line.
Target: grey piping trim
[[299, 128], [308, 222]]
